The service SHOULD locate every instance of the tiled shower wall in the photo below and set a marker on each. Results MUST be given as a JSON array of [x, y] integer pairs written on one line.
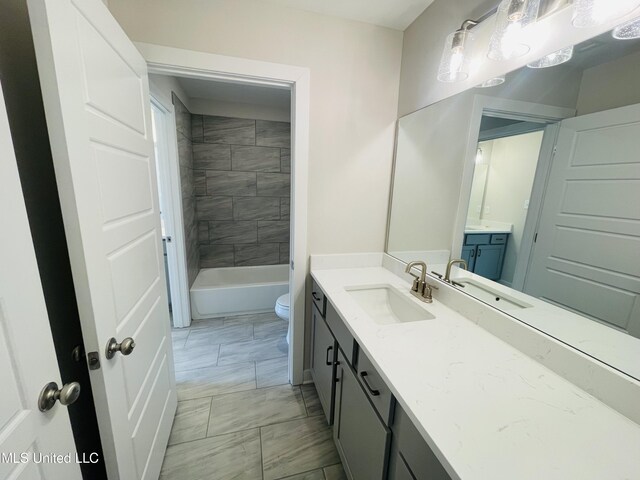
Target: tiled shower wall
[[185, 158], [242, 183]]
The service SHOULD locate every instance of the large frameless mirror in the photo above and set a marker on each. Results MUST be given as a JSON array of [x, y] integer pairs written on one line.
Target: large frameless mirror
[[534, 181]]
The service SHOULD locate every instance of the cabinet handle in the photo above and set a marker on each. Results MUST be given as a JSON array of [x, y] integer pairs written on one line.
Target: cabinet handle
[[327, 361], [479, 252], [315, 296], [373, 392], [473, 253]]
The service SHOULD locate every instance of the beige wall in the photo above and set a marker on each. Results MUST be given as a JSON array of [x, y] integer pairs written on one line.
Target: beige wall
[[355, 71], [610, 85]]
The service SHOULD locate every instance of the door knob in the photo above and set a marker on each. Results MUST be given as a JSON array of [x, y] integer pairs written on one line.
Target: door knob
[[125, 347], [67, 395]]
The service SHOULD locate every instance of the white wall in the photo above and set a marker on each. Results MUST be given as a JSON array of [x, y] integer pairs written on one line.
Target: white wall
[[510, 177], [355, 71], [610, 85], [205, 106], [424, 41]]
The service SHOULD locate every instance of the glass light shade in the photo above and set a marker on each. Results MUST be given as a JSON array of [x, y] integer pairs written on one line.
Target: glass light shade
[[589, 13], [454, 65], [628, 31], [492, 82], [509, 37], [553, 59]]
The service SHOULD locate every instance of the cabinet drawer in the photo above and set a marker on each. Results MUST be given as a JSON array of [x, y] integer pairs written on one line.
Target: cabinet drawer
[[323, 359], [477, 239], [375, 388], [361, 438], [498, 238], [419, 458], [319, 298], [341, 333]]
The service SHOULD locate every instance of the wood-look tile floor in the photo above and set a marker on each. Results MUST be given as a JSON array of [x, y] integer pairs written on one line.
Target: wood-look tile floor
[[238, 417]]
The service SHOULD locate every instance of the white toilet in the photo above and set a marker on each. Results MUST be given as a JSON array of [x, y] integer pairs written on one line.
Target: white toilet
[[282, 311]]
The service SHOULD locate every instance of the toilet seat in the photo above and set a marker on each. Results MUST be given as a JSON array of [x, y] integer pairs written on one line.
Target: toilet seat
[[282, 306]]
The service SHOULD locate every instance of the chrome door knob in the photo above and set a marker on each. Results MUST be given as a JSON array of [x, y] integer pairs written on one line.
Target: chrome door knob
[[125, 347], [67, 395]]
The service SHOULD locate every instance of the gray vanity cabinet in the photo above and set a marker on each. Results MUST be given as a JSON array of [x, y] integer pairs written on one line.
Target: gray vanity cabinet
[[410, 457], [361, 437], [323, 359], [484, 253]]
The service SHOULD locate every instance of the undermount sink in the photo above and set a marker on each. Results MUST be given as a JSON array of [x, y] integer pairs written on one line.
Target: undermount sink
[[491, 296], [386, 306]]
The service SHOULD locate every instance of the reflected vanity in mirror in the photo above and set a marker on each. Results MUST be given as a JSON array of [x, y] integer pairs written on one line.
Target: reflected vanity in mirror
[[535, 183]]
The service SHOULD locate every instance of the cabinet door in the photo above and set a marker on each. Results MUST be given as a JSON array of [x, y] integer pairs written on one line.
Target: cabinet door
[[489, 261], [361, 437], [400, 470], [323, 363], [469, 255]]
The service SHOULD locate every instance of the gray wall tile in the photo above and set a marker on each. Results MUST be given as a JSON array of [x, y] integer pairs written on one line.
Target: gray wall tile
[[228, 233], [256, 208], [214, 208], [232, 131], [197, 128], [285, 160], [212, 156], [255, 159], [239, 184], [285, 208], [203, 233], [284, 253], [257, 254], [213, 256], [199, 182], [273, 134], [273, 231], [274, 184]]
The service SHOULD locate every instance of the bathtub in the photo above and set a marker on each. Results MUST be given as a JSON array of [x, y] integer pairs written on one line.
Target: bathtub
[[218, 292]]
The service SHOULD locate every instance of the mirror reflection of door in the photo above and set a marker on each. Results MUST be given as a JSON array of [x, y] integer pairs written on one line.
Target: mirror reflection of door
[[505, 169]]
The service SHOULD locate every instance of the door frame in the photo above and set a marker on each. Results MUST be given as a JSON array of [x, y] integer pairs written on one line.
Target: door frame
[[188, 63], [169, 179], [532, 112]]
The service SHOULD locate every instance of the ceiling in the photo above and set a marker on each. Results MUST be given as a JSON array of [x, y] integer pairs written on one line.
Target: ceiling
[[236, 93], [396, 14]]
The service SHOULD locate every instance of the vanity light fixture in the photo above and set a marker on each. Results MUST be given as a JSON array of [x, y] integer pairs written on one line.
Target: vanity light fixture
[[553, 59], [628, 30], [454, 64], [590, 13], [493, 82], [509, 37]]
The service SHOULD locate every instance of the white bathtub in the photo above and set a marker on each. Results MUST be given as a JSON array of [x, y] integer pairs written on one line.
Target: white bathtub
[[219, 292]]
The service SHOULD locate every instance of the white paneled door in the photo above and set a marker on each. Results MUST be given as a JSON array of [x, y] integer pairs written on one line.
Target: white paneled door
[[96, 97], [586, 257], [27, 356]]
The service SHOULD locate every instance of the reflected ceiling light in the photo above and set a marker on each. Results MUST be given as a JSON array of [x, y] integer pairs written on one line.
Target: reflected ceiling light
[[479, 156], [590, 13], [492, 82], [454, 64], [627, 31], [553, 59], [509, 37]]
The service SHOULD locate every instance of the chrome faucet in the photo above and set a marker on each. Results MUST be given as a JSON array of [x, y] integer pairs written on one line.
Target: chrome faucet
[[420, 289], [447, 275]]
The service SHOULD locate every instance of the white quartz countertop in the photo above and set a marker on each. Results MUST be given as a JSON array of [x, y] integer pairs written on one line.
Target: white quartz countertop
[[487, 410], [480, 230]]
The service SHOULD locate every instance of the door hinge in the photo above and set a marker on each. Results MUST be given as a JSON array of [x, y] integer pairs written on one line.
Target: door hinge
[[292, 265]]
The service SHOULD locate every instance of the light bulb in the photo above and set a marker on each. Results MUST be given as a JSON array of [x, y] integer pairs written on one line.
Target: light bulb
[[509, 37], [628, 30], [553, 59], [454, 64], [492, 82], [590, 13]]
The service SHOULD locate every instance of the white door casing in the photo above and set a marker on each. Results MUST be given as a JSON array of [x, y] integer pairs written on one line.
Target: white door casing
[[27, 356], [96, 95], [588, 245]]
